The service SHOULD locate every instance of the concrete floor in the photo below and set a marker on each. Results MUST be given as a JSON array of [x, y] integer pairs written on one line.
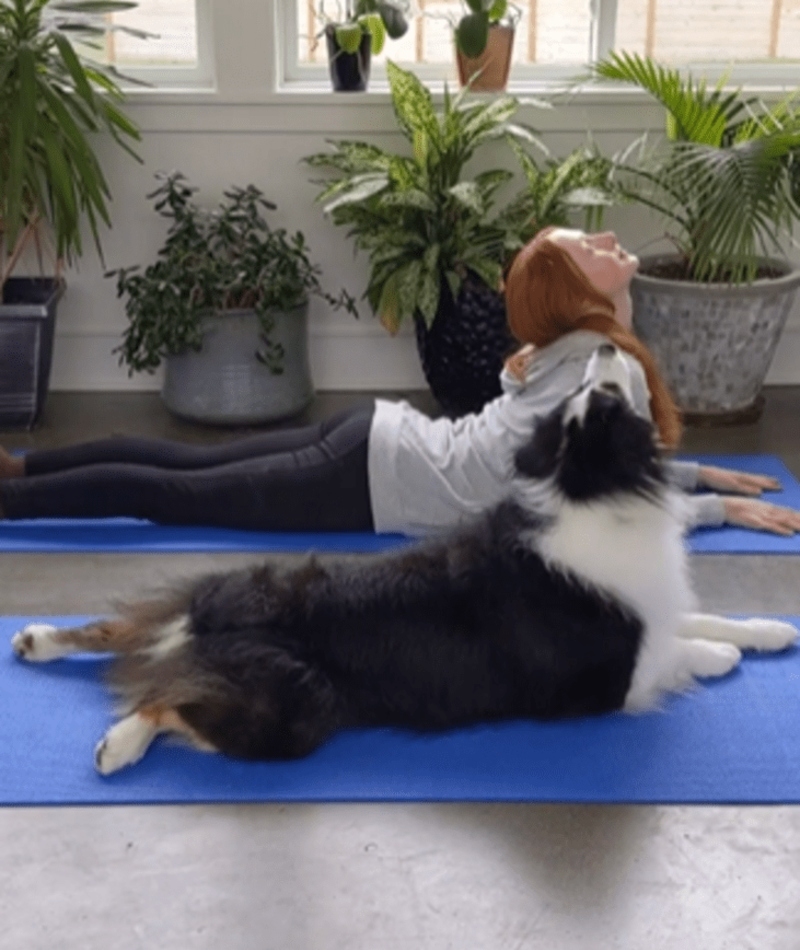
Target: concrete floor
[[466, 877]]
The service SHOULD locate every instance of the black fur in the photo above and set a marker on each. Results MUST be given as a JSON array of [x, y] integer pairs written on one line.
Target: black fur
[[475, 628], [612, 452], [472, 627]]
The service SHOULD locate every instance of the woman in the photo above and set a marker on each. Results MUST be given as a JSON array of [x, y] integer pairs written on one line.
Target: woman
[[389, 467]]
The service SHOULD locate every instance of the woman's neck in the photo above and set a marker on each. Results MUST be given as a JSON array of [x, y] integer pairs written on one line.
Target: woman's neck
[[623, 308]]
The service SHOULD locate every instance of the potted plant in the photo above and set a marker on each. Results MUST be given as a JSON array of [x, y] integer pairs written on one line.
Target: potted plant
[[484, 40], [558, 188], [225, 306], [359, 30], [724, 181], [435, 242], [54, 100]]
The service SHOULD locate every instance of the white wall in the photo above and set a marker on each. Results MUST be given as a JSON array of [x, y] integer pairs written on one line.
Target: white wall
[[247, 130]]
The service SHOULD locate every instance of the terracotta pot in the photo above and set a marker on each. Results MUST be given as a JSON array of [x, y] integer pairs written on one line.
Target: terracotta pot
[[494, 61]]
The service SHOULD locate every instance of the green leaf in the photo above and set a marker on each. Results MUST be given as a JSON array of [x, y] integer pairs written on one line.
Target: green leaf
[[489, 271], [468, 194], [498, 10], [413, 198], [454, 281], [472, 34], [393, 19], [74, 67], [388, 307], [349, 36], [429, 294], [408, 286], [373, 23], [413, 103], [362, 187]]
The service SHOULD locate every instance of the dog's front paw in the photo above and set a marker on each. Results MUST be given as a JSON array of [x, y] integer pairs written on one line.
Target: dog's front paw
[[36, 643], [711, 658], [124, 744], [769, 635]]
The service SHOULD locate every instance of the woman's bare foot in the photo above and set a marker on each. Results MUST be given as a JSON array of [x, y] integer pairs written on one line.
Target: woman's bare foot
[[11, 466]]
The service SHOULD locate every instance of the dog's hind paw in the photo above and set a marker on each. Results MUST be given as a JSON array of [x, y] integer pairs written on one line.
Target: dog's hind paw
[[768, 635], [124, 744], [36, 643]]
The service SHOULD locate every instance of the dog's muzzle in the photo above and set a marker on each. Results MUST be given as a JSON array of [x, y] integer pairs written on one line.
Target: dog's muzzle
[[606, 372]]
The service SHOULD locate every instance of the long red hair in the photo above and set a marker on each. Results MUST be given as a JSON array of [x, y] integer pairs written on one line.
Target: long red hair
[[548, 295]]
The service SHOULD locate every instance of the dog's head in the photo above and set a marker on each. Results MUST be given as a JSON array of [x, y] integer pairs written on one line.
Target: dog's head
[[594, 444]]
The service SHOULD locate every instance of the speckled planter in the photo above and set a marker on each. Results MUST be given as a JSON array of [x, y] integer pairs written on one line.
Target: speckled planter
[[224, 383], [714, 343]]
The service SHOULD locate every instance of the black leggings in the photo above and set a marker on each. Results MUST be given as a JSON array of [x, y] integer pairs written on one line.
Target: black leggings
[[312, 478]]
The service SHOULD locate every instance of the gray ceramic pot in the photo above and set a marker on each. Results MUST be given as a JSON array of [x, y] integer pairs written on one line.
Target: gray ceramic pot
[[225, 384], [713, 342]]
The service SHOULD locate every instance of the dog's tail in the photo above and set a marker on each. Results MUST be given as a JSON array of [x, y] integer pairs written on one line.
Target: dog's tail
[[236, 691]]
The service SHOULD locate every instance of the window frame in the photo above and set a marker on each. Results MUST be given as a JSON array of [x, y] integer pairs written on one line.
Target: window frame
[[174, 78], [755, 76]]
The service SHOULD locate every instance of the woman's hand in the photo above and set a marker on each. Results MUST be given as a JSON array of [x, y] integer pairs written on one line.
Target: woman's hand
[[739, 483], [761, 515]]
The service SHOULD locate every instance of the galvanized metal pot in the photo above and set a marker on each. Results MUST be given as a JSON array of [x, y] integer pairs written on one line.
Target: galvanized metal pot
[[713, 342], [225, 383]]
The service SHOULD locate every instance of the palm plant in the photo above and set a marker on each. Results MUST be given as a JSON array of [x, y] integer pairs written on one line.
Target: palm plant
[[53, 99], [725, 177], [423, 224]]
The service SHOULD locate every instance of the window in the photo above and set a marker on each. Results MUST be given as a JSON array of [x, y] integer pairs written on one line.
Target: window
[[174, 52], [569, 33]]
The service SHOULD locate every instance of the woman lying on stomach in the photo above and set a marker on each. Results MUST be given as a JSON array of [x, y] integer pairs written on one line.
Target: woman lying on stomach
[[388, 467]]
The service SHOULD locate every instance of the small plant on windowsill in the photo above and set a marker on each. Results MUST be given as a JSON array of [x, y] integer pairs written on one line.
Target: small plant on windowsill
[[223, 273], [356, 32], [484, 40]]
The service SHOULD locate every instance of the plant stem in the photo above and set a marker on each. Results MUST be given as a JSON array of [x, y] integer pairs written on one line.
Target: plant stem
[[19, 247]]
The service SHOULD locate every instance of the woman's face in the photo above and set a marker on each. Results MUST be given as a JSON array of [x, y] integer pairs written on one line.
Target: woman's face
[[608, 266]]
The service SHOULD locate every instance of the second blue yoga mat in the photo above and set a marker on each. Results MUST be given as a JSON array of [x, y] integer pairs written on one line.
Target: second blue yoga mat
[[127, 535], [734, 740]]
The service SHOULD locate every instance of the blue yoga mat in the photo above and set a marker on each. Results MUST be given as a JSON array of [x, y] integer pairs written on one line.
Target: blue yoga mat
[[129, 535], [734, 740]]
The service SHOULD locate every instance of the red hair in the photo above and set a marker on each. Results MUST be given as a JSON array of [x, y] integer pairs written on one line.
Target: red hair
[[548, 295]]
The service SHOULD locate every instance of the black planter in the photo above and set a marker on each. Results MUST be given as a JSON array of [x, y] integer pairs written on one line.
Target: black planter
[[27, 325], [463, 350], [349, 71]]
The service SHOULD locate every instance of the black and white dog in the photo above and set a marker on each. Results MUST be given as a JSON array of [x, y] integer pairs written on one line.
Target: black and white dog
[[570, 598]]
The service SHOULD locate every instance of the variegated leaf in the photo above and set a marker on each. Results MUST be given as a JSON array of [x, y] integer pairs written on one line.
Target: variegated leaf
[[363, 187]]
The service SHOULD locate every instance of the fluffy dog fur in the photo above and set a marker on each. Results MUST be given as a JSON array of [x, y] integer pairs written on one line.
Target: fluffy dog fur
[[571, 598]]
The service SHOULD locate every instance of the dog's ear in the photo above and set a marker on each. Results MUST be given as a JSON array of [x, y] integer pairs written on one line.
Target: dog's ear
[[538, 458]]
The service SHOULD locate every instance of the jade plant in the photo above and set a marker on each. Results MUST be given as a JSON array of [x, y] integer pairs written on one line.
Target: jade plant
[[214, 260]]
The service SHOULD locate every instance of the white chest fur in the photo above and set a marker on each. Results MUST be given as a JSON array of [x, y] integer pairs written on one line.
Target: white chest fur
[[633, 549]]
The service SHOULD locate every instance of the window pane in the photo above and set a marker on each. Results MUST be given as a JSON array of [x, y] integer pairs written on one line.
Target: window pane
[[176, 44], [710, 30], [550, 31]]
